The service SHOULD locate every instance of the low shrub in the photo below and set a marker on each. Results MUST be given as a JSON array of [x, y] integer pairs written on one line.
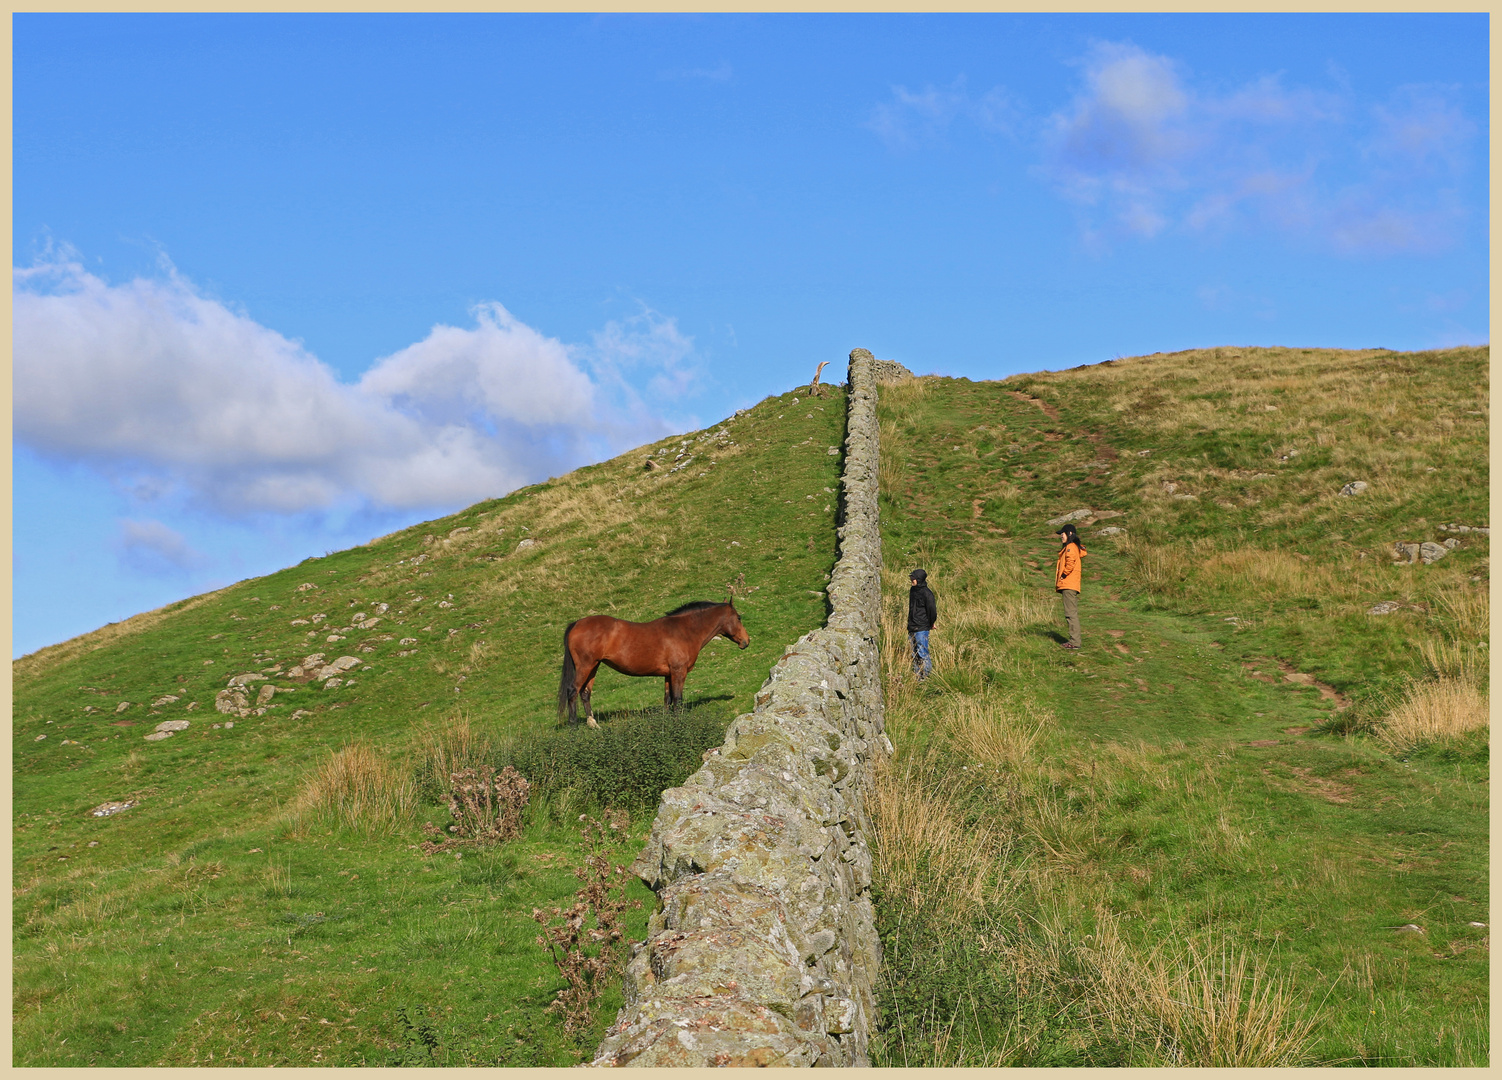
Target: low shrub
[[626, 763]]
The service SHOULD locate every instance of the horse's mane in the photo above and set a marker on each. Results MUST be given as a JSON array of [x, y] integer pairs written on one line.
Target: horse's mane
[[697, 605]]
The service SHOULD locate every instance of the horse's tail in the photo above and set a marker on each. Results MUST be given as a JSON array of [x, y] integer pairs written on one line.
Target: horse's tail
[[567, 694]]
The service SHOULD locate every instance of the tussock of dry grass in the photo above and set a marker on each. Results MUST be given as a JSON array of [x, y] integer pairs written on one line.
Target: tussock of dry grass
[[359, 789], [930, 857], [1468, 611], [991, 730], [1198, 1006], [447, 748], [1459, 660], [1434, 711]]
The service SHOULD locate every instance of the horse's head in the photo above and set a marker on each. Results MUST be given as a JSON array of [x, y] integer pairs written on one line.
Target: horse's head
[[731, 627]]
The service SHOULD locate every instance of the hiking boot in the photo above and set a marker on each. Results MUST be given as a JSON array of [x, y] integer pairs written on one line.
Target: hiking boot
[[1067, 645]]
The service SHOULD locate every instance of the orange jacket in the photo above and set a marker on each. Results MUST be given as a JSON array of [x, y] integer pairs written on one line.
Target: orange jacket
[[1067, 572]]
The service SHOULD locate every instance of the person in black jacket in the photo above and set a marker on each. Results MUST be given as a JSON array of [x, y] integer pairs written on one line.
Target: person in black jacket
[[922, 616]]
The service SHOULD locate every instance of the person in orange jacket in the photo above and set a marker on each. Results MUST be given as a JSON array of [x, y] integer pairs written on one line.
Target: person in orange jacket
[[1067, 582]]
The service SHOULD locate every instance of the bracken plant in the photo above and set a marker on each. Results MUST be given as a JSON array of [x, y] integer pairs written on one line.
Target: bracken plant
[[586, 955], [486, 807]]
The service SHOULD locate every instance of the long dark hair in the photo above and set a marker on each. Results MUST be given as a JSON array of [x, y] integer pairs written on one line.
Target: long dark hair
[[1069, 535]]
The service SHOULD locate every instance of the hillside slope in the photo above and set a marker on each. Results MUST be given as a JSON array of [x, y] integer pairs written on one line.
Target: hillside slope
[[218, 920], [1203, 838]]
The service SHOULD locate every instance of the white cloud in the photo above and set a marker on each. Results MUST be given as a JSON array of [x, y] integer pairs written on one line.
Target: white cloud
[[1420, 126], [647, 342], [1143, 152], [1131, 118], [913, 117], [155, 548], [154, 379]]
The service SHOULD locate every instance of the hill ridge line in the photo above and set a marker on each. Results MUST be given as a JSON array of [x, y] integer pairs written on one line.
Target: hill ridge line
[[764, 949]]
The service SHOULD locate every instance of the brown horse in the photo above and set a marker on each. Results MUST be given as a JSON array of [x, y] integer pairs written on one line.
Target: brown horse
[[666, 647]]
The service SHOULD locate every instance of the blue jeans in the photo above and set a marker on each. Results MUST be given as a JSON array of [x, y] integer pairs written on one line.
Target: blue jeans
[[922, 664]]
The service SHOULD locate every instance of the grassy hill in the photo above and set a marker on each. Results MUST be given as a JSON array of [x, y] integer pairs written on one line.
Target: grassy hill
[[1221, 833], [263, 901], [1194, 841]]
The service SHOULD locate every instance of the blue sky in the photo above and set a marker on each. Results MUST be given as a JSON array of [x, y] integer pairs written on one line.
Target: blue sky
[[285, 283]]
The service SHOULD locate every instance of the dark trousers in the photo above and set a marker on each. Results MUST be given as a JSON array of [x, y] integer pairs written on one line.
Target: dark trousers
[[1072, 614]]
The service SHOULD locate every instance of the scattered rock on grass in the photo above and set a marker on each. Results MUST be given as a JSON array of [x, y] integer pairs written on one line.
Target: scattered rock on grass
[[1073, 515], [1409, 928], [120, 708], [230, 701], [1383, 607], [527, 543], [1112, 530], [109, 809], [1355, 487]]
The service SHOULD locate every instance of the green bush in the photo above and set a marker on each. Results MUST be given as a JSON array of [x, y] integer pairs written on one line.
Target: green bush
[[626, 763]]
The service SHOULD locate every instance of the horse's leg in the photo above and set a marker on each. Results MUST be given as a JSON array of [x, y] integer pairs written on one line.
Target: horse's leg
[[675, 687], [585, 696], [667, 691]]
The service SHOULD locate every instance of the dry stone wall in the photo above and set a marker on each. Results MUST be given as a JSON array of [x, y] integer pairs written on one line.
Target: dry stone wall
[[763, 949]]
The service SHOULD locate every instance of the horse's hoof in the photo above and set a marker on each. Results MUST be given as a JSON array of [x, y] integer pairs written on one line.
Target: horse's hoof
[[591, 722]]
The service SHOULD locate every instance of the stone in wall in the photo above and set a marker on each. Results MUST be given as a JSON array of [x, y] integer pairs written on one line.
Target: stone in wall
[[890, 371], [763, 949]]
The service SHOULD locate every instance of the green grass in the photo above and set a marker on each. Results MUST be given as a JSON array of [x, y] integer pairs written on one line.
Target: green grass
[[217, 923], [1183, 800]]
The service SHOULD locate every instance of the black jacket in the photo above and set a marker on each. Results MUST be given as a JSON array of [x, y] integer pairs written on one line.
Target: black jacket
[[922, 609]]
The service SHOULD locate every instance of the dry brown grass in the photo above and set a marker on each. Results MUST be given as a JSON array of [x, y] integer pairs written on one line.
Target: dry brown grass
[[1459, 660], [1204, 1006], [930, 857], [448, 747], [1468, 612], [1435, 711], [992, 730], [359, 789]]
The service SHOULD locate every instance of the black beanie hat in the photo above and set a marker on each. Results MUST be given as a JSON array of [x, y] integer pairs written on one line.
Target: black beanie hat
[[920, 575]]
